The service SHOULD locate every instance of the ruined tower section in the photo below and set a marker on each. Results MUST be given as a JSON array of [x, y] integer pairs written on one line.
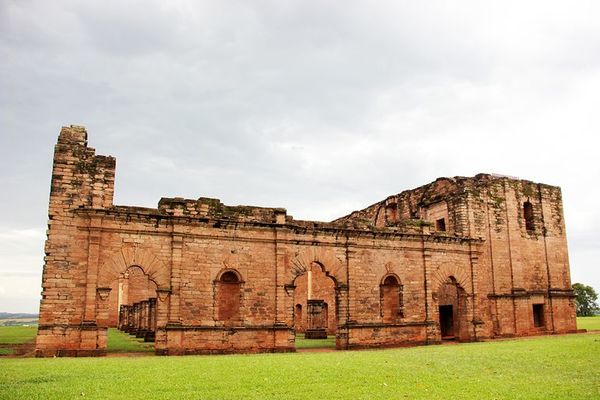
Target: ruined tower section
[[525, 268], [80, 179], [521, 280]]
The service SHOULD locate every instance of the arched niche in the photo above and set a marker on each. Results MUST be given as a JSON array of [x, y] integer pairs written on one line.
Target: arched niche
[[228, 298], [391, 299]]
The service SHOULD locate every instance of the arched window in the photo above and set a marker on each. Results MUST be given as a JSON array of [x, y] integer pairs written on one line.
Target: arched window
[[391, 213], [528, 215], [228, 298], [391, 299]]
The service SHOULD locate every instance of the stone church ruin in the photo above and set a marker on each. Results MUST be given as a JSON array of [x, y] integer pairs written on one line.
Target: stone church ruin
[[457, 259]]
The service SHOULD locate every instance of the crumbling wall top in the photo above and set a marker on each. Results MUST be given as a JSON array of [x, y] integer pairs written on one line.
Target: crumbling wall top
[[73, 134], [206, 207]]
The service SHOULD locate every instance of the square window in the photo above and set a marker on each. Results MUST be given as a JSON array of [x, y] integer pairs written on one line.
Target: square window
[[440, 224]]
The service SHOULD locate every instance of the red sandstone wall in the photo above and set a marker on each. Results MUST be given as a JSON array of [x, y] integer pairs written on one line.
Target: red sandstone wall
[[185, 246], [206, 252], [520, 265], [79, 179], [516, 265]]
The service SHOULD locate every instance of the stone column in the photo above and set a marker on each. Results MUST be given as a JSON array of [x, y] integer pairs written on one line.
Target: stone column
[[151, 321], [90, 336], [281, 316], [468, 317], [343, 313], [128, 318], [92, 273], [102, 303], [136, 318], [432, 316], [141, 332], [176, 258], [162, 318], [122, 317], [476, 320], [283, 332]]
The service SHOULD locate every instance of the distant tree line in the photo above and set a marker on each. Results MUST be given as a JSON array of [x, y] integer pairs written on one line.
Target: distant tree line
[[7, 315]]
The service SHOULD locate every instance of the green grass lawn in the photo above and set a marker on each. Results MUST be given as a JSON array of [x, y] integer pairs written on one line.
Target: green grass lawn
[[302, 343], [4, 351], [119, 342], [17, 334], [551, 367], [589, 323]]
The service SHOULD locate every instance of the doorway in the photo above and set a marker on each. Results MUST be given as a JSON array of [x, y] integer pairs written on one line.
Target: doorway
[[452, 308], [447, 322], [314, 312], [132, 313], [538, 315]]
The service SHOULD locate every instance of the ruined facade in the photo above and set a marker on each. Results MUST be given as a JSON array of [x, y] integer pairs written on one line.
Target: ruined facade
[[459, 258]]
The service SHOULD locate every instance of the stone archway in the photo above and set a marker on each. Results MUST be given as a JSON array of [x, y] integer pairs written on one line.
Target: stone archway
[[452, 310], [129, 256], [113, 276], [136, 297], [134, 292], [315, 294], [130, 287], [330, 274]]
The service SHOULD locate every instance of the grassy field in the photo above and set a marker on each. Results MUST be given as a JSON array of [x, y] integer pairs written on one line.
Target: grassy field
[[119, 342], [302, 343], [589, 323], [11, 336], [552, 367], [557, 367], [17, 334]]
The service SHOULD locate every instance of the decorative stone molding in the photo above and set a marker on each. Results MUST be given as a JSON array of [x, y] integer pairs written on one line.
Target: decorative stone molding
[[163, 294], [131, 254], [103, 293], [333, 266]]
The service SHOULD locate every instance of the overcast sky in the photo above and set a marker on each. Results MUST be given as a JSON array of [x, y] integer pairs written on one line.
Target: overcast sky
[[321, 107]]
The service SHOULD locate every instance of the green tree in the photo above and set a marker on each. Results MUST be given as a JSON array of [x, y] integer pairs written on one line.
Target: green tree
[[585, 299]]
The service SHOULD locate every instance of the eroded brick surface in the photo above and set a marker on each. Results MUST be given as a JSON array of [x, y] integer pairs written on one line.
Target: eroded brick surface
[[468, 243]]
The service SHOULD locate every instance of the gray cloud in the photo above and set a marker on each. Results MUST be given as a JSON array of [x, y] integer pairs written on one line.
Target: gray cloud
[[320, 107]]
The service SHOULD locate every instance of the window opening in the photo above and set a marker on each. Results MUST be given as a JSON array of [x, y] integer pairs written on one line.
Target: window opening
[[538, 315], [528, 215], [391, 212], [440, 224]]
